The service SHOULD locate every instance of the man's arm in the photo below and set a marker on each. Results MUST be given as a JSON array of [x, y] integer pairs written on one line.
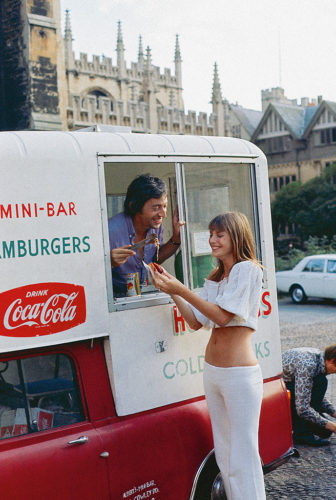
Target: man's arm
[[171, 246], [327, 407], [168, 249], [303, 393]]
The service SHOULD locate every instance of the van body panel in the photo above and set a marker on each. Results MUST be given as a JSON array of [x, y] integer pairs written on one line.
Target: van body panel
[[120, 379]]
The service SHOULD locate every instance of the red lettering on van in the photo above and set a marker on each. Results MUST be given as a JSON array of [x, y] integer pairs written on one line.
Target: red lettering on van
[[179, 322], [41, 309], [266, 306]]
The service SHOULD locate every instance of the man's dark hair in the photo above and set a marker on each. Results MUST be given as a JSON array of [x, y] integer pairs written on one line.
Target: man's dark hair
[[330, 353], [142, 188]]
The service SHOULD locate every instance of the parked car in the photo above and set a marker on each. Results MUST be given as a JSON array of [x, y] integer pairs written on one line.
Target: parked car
[[313, 276]]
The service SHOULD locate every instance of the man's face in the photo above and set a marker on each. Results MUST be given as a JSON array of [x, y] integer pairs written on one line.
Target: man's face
[[153, 212], [330, 366]]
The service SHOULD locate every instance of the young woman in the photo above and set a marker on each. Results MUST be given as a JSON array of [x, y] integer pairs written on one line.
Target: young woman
[[229, 304]]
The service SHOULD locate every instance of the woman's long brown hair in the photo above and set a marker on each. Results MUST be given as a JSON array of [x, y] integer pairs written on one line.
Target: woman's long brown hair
[[239, 230]]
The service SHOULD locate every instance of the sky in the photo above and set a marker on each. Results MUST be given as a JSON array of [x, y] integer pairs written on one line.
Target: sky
[[257, 44]]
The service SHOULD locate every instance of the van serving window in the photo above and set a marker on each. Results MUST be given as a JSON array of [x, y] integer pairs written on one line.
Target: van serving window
[[38, 393], [210, 191], [199, 191]]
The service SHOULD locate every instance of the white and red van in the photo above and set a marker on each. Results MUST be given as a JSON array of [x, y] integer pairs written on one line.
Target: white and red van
[[102, 397]]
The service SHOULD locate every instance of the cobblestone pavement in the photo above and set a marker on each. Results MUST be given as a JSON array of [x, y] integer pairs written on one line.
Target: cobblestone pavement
[[313, 475]]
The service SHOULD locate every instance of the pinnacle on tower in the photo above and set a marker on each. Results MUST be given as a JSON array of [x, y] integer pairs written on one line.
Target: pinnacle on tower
[[67, 29], [216, 88], [178, 63], [177, 50], [120, 53], [141, 57], [148, 57], [120, 42], [68, 52]]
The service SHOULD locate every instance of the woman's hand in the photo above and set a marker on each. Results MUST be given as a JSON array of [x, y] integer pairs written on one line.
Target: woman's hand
[[167, 283]]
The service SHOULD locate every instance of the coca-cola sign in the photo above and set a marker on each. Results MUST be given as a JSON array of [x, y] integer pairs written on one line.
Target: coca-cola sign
[[41, 309]]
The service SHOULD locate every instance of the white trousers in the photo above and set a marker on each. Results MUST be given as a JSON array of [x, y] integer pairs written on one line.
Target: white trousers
[[234, 398]]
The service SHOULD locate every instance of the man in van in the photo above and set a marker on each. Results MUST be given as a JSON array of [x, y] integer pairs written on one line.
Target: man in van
[[145, 207], [305, 370]]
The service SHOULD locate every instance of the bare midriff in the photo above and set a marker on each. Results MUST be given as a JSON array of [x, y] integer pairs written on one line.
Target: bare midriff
[[230, 346]]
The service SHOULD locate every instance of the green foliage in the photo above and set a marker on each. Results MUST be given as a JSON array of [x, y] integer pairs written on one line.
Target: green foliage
[[289, 261], [313, 246], [311, 207]]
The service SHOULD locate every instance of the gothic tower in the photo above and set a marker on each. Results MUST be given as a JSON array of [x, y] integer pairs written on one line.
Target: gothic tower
[[30, 30], [220, 107]]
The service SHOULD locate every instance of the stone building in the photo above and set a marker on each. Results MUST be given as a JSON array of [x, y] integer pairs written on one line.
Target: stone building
[[43, 86], [298, 140]]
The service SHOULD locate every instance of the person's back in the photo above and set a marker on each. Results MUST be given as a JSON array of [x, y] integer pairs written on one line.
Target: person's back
[[304, 372]]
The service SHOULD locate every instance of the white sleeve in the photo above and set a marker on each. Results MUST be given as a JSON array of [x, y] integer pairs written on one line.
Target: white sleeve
[[198, 315], [242, 290]]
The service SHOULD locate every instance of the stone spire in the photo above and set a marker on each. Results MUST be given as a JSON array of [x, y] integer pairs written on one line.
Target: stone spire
[[67, 30], [120, 53], [217, 97], [177, 50], [178, 62], [219, 106], [141, 57], [68, 52], [148, 58]]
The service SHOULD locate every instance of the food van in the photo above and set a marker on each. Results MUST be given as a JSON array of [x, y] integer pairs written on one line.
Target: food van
[[102, 396]]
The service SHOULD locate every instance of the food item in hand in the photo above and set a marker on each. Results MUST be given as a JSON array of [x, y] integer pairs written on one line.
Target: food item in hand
[[156, 267], [157, 244]]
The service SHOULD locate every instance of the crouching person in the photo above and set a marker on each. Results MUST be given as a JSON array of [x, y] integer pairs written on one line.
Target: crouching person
[[305, 373]]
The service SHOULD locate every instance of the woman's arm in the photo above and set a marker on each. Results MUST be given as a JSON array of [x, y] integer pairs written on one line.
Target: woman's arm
[[186, 312], [212, 311], [167, 283]]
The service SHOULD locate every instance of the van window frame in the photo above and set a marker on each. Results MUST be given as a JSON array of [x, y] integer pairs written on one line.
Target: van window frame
[[160, 298], [19, 358]]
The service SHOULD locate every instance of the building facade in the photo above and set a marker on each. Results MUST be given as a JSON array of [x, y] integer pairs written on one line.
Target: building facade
[[298, 140], [43, 86]]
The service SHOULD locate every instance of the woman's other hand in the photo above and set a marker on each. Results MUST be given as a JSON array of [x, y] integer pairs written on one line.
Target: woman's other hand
[[167, 283]]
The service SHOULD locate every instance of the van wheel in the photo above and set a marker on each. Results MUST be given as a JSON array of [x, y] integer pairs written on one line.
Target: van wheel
[[218, 490], [209, 484], [298, 295]]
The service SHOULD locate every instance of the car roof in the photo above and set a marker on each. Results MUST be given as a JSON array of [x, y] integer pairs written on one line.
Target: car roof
[[322, 256]]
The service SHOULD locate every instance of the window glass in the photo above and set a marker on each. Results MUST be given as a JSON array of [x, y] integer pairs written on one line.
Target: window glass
[[130, 280], [38, 393], [212, 189], [331, 266], [314, 266]]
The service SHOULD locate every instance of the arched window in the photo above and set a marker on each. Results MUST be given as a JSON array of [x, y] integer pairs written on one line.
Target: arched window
[[98, 93]]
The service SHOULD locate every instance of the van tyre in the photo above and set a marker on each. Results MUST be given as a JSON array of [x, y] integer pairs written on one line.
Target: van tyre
[[298, 295], [209, 485]]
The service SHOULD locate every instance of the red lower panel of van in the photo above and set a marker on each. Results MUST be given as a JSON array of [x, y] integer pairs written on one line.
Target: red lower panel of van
[[275, 436]]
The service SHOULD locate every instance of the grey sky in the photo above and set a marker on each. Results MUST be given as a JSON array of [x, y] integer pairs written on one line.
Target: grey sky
[[242, 36]]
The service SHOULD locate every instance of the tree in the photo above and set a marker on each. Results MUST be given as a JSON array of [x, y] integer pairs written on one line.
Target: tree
[[311, 207]]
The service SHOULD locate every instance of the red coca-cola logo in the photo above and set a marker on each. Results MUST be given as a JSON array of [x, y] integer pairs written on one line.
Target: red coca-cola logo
[[41, 309]]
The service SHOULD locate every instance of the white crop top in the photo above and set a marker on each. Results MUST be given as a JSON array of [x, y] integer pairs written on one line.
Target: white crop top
[[239, 293]]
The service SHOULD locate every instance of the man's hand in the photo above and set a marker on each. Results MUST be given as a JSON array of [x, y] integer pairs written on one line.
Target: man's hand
[[120, 255], [177, 224], [331, 426]]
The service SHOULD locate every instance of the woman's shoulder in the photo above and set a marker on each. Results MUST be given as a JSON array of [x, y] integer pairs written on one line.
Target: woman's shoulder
[[247, 266], [212, 275]]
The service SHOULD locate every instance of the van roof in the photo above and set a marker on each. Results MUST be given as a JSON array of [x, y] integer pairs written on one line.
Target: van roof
[[44, 144]]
